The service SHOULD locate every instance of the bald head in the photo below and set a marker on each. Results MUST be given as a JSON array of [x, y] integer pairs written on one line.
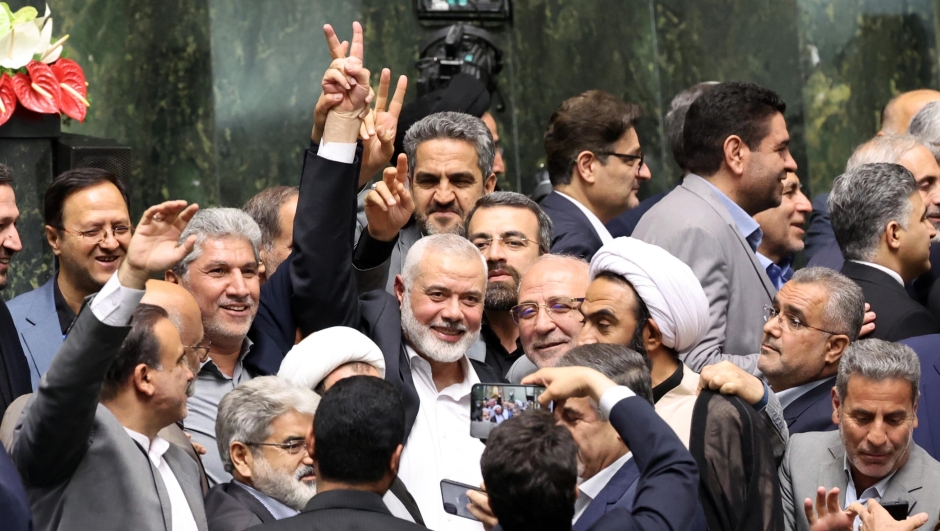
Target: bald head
[[898, 112], [182, 307]]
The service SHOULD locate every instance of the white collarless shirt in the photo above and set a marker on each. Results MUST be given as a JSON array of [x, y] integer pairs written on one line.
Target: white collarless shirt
[[180, 512], [599, 227], [440, 446]]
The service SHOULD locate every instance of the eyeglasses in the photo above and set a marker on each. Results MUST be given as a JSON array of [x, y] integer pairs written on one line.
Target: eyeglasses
[[554, 306], [291, 447], [627, 159], [202, 351], [98, 235], [791, 321], [514, 242]]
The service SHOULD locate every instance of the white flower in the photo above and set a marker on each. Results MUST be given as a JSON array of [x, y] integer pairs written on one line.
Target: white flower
[[19, 45]]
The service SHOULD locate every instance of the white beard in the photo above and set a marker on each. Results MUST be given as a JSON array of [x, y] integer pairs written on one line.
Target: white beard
[[424, 341], [282, 486]]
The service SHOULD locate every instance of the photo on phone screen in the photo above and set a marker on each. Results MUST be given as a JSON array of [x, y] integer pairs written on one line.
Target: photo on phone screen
[[491, 405], [455, 498]]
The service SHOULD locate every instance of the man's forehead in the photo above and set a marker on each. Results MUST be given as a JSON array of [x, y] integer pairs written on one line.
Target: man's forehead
[[225, 248], [553, 278], [451, 272], [447, 155], [494, 221], [887, 395], [809, 298]]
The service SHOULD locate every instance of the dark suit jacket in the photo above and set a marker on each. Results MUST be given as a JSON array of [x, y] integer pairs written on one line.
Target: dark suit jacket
[[927, 432], [812, 411], [819, 233], [572, 231], [899, 316], [325, 291], [624, 224], [232, 508], [14, 506], [339, 510], [14, 369], [618, 492]]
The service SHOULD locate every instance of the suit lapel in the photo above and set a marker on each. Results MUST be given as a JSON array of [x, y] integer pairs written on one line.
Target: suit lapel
[[609, 495], [908, 479], [701, 188], [177, 460], [250, 501], [801, 404], [831, 474]]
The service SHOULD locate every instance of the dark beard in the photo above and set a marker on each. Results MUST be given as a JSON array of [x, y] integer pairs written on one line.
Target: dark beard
[[500, 297]]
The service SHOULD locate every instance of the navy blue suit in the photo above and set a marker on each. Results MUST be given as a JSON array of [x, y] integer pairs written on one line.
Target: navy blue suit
[[927, 432], [572, 231], [14, 505], [812, 411], [619, 492], [624, 224], [819, 233]]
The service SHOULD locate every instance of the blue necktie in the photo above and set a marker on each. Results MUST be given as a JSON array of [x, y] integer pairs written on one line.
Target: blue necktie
[[776, 275]]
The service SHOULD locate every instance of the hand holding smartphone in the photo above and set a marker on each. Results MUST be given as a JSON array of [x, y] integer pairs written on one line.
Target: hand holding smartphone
[[454, 496]]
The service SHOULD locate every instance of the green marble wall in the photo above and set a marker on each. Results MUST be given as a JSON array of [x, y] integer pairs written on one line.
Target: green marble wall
[[215, 96]]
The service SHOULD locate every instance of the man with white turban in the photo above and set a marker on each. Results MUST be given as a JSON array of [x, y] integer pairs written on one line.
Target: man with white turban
[[643, 297]]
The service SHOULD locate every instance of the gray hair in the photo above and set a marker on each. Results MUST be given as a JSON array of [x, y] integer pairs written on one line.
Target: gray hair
[[218, 223], [862, 203], [265, 209], [674, 122], [845, 311], [879, 361], [454, 126], [517, 200], [246, 412], [445, 244], [622, 365], [926, 126], [886, 148]]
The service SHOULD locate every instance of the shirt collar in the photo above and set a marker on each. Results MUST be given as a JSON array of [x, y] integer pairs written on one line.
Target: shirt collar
[[748, 226], [599, 227], [894, 274], [277, 509], [875, 491], [155, 449], [455, 391], [593, 486], [246, 346], [788, 396]]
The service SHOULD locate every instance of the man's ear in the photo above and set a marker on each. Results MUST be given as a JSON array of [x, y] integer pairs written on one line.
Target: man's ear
[[241, 457], [892, 235], [584, 166], [737, 154], [836, 407], [308, 438], [396, 460], [143, 376], [652, 335], [837, 345], [172, 277], [399, 289], [54, 239], [489, 184]]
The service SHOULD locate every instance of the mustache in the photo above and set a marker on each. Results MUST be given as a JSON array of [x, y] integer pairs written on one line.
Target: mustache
[[449, 207], [554, 338], [451, 325], [493, 266], [302, 471]]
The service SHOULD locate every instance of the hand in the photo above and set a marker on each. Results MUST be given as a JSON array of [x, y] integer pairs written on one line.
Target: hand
[[389, 205], [379, 146], [876, 518], [828, 515], [480, 508], [198, 448], [569, 382], [729, 379], [346, 75], [327, 101], [153, 248], [868, 325]]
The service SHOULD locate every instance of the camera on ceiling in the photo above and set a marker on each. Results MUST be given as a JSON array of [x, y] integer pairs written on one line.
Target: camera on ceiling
[[483, 12], [459, 49]]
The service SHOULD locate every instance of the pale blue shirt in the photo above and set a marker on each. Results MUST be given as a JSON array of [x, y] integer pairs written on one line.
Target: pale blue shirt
[[875, 492], [277, 509], [747, 225]]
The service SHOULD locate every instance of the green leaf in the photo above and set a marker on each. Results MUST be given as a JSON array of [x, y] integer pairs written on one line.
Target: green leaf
[[6, 19], [25, 14]]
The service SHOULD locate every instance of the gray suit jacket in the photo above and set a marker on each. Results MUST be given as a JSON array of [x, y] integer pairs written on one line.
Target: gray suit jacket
[[81, 469], [817, 459], [37, 324], [705, 237]]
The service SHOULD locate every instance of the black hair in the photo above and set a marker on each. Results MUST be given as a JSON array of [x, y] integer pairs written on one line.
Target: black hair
[[70, 182], [731, 108], [140, 346], [530, 469], [6, 175], [359, 423], [623, 365]]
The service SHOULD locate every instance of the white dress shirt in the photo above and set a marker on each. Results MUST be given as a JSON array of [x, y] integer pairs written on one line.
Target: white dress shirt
[[115, 304], [591, 487], [180, 512], [876, 491], [894, 274], [599, 227], [440, 446]]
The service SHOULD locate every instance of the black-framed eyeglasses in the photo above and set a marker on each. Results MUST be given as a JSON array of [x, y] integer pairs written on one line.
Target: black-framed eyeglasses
[[513, 242], [554, 306], [292, 447], [202, 351], [791, 321], [98, 235], [627, 159]]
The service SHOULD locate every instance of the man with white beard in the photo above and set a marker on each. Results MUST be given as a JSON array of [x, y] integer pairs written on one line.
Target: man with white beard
[[260, 431]]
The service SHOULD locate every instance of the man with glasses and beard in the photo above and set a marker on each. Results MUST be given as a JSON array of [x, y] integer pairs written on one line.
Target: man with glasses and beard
[[512, 232], [260, 431]]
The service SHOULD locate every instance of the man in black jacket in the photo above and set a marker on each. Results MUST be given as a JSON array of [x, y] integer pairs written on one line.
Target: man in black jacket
[[880, 222], [14, 369], [356, 445]]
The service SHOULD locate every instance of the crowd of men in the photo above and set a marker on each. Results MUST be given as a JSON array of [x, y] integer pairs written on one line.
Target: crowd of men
[[309, 361]]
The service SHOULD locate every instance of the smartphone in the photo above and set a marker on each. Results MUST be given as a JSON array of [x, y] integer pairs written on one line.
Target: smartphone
[[491, 405], [898, 509], [455, 498]]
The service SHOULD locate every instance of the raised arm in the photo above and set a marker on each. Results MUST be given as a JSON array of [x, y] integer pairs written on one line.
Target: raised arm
[[55, 430]]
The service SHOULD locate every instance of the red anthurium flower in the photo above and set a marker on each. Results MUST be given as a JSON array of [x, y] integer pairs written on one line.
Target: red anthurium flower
[[39, 91], [71, 80], [7, 98]]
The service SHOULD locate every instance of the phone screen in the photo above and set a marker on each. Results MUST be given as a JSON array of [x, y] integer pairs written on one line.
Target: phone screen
[[455, 498], [491, 405]]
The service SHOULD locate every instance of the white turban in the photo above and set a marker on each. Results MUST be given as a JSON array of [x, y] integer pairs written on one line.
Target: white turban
[[320, 353], [669, 288]]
